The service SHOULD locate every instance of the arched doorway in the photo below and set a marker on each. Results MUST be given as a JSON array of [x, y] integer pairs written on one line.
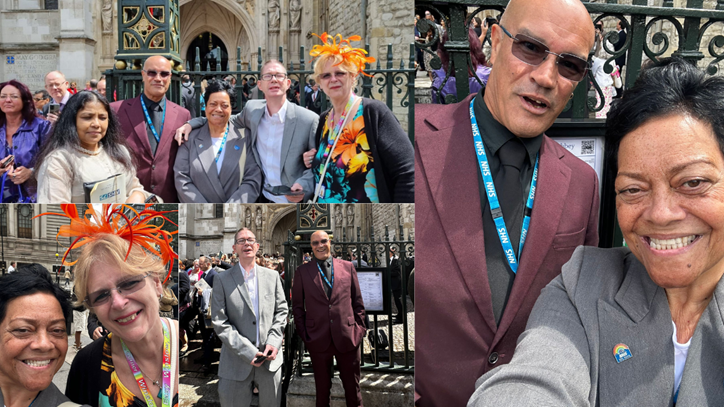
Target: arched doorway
[[281, 231], [208, 45]]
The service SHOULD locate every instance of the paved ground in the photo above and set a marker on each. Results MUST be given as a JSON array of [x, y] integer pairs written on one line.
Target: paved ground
[[62, 376]]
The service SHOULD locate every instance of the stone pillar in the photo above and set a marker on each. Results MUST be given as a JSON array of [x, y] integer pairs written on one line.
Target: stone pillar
[[76, 40]]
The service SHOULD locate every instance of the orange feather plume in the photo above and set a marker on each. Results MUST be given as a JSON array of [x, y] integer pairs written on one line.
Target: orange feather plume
[[139, 229], [343, 48]]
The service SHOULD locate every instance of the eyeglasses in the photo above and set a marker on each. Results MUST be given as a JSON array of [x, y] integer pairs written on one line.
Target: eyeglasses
[[268, 76], [12, 97], [339, 75], [244, 241], [37, 99], [152, 73], [320, 242], [125, 287], [533, 52]]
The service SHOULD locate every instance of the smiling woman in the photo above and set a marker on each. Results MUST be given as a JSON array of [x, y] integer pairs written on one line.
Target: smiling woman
[[640, 325], [33, 338]]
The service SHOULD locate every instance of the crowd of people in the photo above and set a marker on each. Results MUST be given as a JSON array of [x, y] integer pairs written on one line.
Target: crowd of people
[[64, 146]]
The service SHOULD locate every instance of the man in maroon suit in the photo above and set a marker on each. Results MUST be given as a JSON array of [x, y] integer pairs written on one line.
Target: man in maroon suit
[[475, 284], [329, 316], [149, 122]]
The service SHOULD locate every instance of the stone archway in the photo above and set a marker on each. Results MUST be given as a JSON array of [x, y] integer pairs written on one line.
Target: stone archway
[[280, 224], [227, 20]]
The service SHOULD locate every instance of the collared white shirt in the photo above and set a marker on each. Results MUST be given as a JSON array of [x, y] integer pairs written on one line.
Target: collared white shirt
[[252, 285], [681, 351], [215, 145], [269, 147], [64, 101]]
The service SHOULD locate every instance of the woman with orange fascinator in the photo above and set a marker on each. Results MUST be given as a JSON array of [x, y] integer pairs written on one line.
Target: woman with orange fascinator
[[119, 275], [364, 156]]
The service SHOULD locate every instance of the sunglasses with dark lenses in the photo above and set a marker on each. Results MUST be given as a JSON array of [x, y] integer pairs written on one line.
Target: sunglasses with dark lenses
[[533, 52], [322, 242], [152, 73], [125, 287]]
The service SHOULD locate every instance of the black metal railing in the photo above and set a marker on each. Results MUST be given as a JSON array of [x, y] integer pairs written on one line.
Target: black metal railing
[[383, 84], [378, 260], [691, 27]]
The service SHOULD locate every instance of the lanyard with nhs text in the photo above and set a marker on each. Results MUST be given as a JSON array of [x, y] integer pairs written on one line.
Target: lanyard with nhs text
[[493, 198], [330, 284], [150, 123]]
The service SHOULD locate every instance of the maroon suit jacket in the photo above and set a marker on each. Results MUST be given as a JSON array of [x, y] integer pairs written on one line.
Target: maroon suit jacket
[[321, 320], [457, 339], [154, 172]]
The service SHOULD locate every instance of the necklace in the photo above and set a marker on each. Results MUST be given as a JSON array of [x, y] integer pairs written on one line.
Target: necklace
[[88, 152], [155, 382]]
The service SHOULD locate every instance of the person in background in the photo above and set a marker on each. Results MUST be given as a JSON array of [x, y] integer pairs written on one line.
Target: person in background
[[476, 79], [40, 99], [22, 132], [168, 300], [57, 86], [101, 87], [12, 268]]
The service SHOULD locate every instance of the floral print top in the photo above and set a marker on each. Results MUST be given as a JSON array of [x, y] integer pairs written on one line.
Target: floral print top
[[350, 175]]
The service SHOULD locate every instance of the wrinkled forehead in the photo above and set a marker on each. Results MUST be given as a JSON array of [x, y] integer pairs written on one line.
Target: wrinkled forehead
[[246, 234], [274, 68]]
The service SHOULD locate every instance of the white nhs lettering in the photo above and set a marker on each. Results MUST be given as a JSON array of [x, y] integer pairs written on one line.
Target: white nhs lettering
[[479, 148], [503, 235], [491, 189], [511, 257], [486, 169]]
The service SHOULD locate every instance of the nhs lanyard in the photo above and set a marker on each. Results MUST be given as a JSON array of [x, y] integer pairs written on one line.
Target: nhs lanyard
[[150, 123], [223, 143], [331, 269], [493, 198]]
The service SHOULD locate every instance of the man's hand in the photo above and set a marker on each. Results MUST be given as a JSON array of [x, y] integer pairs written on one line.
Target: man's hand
[[97, 333], [52, 118], [20, 175], [260, 363], [308, 157], [182, 134], [295, 198], [271, 352]]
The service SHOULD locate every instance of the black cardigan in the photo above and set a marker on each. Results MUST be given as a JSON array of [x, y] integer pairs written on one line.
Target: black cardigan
[[392, 152]]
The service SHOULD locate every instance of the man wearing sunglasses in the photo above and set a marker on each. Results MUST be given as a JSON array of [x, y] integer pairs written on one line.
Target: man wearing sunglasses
[[330, 318], [281, 132], [148, 122], [249, 313], [474, 170]]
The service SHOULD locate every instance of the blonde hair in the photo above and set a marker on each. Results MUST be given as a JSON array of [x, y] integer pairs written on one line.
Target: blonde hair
[[323, 59], [110, 249]]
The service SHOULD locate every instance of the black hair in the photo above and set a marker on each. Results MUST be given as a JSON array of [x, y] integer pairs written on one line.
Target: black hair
[[29, 280], [44, 93], [671, 85], [65, 133], [217, 85]]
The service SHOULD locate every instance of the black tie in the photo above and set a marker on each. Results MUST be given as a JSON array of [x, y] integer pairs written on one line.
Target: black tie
[[510, 191]]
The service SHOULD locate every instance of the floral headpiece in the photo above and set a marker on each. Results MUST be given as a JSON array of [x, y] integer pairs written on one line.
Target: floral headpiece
[[138, 230], [343, 48]]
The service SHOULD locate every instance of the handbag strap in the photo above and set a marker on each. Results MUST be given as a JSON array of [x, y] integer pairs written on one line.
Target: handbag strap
[[20, 191], [318, 189]]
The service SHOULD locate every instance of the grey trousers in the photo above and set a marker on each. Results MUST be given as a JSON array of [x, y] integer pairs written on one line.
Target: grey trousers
[[234, 393]]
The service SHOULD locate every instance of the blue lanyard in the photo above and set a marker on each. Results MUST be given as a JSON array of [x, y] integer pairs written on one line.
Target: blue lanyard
[[493, 198], [223, 143], [331, 268], [150, 123]]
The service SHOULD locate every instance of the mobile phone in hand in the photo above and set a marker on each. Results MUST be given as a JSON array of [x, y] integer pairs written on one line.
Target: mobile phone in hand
[[260, 359], [8, 161], [54, 108]]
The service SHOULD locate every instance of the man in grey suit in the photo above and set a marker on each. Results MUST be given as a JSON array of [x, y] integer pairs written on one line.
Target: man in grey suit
[[249, 313], [281, 132]]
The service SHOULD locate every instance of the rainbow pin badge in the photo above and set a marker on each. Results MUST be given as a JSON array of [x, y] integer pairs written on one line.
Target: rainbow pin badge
[[621, 352]]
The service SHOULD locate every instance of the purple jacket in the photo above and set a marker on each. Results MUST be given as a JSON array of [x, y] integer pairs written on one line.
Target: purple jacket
[[483, 72], [26, 145]]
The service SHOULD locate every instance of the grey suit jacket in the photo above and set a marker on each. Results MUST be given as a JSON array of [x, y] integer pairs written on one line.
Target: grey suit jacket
[[197, 179], [233, 318], [603, 298], [300, 126]]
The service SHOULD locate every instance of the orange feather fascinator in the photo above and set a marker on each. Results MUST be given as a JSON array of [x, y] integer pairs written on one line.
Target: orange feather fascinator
[[121, 220], [337, 45]]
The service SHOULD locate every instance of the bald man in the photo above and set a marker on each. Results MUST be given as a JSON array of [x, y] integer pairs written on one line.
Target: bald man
[[330, 318], [148, 123], [475, 286], [57, 87]]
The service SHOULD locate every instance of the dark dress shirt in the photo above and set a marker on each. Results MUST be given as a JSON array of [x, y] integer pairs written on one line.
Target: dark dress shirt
[[155, 110], [494, 135], [326, 266]]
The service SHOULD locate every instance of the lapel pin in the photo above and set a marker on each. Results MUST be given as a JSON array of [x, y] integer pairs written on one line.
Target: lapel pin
[[201, 146], [236, 147], [621, 352]]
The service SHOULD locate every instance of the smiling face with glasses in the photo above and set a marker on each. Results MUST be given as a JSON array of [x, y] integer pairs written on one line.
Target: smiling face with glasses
[[156, 77], [538, 55], [246, 246], [273, 80], [321, 245]]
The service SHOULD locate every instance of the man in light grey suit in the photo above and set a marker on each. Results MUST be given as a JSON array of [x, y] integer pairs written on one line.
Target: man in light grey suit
[[281, 132], [249, 313]]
